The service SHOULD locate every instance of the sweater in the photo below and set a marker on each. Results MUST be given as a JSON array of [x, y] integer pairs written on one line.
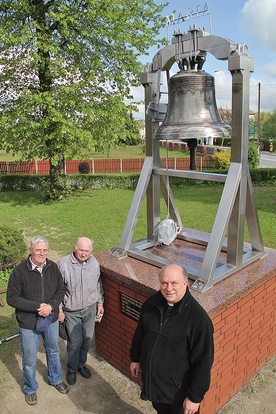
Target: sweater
[[28, 288]]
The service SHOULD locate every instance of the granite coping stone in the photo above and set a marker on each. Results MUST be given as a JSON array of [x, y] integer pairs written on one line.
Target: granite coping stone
[[144, 276]]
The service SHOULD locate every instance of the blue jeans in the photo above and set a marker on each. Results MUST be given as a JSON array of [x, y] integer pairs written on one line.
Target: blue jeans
[[80, 329], [30, 340]]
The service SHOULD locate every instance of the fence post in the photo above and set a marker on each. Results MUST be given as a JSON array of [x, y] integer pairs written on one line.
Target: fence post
[[121, 165], [93, 166]]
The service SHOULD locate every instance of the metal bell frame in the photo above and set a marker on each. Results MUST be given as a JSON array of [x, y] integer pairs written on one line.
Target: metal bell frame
[[237, 201]]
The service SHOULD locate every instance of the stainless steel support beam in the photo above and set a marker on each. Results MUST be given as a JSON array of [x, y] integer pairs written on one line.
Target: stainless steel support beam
[[237, 201]]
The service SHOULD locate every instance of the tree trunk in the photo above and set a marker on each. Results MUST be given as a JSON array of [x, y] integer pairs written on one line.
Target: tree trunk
[[57, 189]]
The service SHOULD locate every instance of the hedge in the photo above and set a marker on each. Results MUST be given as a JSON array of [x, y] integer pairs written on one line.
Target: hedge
[[17, 182]]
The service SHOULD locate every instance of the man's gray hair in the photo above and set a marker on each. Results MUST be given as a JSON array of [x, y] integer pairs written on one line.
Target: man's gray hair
[[38, 239], [185, 273]]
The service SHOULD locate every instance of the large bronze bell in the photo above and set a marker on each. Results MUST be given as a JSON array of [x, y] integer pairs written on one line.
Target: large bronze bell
[[192, 111]]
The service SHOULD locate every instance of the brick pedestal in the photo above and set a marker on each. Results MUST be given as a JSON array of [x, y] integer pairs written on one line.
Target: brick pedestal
[[242, 308]]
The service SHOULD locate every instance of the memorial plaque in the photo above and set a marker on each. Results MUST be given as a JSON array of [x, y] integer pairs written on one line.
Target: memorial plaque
[[130, 306]]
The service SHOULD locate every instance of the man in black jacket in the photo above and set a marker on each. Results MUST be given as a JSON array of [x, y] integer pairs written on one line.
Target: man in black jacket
[[172, 347], [35, 290]]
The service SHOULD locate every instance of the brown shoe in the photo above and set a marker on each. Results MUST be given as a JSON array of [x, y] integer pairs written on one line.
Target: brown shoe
[[31, 399], [61, 387]]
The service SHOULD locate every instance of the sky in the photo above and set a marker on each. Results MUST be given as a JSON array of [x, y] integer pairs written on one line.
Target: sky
[[250, 22]]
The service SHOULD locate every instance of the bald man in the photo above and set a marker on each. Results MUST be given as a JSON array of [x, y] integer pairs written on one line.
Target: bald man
[[82, 305], [172, 347]]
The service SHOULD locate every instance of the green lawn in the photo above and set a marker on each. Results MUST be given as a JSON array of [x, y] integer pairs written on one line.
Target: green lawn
[[136, 151], [101, 214]]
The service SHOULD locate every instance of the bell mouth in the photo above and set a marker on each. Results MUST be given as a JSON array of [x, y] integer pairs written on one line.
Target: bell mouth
[[192, 110], [185, 132]]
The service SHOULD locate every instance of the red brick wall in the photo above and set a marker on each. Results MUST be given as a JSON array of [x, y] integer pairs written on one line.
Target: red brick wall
[[114, 334], [245, 336], [245, 339]]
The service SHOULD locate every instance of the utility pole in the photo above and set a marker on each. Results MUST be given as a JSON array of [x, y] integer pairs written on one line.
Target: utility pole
[[259, 114]]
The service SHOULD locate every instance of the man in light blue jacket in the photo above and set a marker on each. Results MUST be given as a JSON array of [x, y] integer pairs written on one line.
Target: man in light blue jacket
[[82, 304]]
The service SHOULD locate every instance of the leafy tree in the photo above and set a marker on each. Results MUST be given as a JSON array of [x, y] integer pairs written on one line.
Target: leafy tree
[[226, 116], [66, 67], [130, 132], [268, 129]]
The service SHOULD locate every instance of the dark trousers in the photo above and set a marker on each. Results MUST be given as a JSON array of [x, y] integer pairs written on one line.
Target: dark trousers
[[162, 408]]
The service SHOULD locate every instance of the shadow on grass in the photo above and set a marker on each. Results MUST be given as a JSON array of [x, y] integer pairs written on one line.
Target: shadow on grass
[[24, 198]]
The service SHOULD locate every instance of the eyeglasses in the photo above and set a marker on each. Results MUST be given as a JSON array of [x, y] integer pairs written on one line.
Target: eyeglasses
[[41, 251]]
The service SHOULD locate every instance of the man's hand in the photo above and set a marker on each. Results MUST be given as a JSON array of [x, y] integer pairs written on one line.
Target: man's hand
[[61, 316], [44, 309], [190, 407], [100, 312], [135, 369]]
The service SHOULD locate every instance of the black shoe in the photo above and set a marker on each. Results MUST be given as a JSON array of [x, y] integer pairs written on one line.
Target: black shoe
[[61, 387], [31, 399], [71, 378], [85, 372]]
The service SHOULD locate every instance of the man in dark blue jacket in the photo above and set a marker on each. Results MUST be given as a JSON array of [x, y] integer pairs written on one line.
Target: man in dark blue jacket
[[35, 290], [172, 347]]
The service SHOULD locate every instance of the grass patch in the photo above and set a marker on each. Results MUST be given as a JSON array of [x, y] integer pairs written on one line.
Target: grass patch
[[101, 214], [136, 151]]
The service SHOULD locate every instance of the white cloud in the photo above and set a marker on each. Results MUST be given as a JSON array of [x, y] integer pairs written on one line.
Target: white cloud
[[259, 18], [138, 99], [267, 97], [223, 87], [138, 93], [270, 69]]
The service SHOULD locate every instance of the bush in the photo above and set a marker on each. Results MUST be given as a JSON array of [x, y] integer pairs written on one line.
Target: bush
[[102, 181], [260, 176], [12, 247], [222, 159], [263, 176], [84, 167], [225, 142], [4, 277], [22, 182], [253, 157]]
